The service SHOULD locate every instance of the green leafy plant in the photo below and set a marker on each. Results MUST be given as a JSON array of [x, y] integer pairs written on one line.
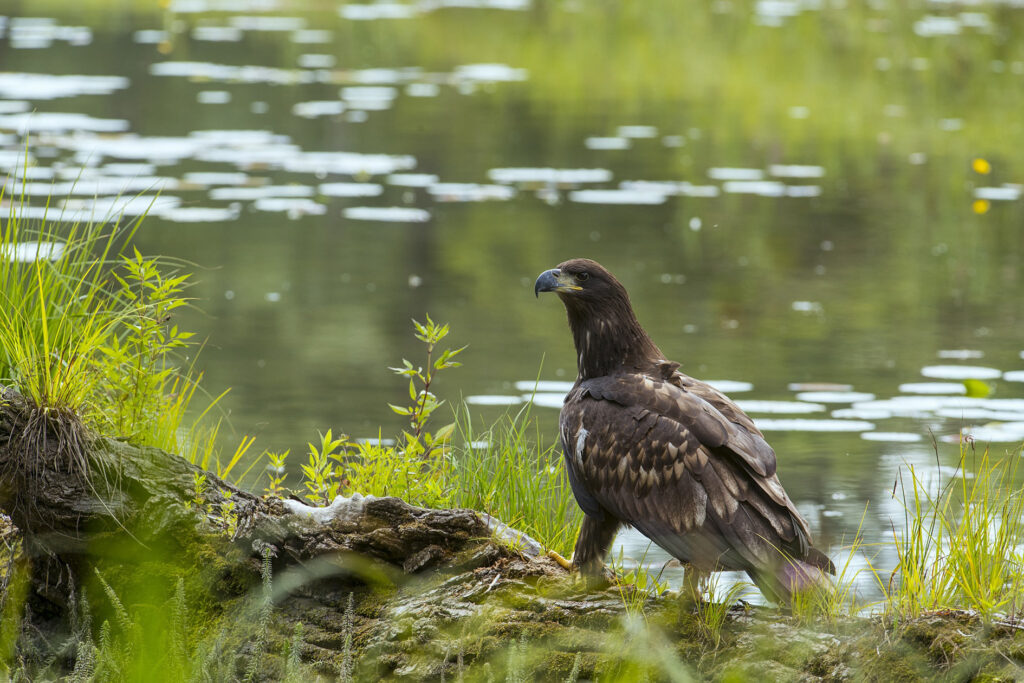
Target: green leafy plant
[[140, 367], [424, 402], [266, 609], [276, 473], [321, 479], [294, 671], [421, 479], [228, 516], [198, 488], [346, 667], [418, 470]]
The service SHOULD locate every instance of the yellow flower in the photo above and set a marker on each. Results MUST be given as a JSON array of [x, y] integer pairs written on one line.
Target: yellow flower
[[981, 166], [980, 206]]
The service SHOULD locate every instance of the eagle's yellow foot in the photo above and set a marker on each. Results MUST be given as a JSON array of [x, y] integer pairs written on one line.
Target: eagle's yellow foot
[[566, 564]]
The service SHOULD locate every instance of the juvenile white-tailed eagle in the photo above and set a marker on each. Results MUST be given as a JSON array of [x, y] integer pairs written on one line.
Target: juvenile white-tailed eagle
[[647, 446]]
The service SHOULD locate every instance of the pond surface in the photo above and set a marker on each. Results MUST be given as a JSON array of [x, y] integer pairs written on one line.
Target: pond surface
[[816, 206]]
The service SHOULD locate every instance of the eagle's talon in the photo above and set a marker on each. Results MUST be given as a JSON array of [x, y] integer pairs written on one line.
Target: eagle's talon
[[557, 557]]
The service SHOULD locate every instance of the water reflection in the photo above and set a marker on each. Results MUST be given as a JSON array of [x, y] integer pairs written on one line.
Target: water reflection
[[29, 251]]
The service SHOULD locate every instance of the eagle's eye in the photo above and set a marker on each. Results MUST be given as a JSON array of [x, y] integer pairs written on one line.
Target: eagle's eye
[[580, 277]]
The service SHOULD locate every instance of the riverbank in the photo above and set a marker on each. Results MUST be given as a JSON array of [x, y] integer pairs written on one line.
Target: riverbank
[[229, 586]]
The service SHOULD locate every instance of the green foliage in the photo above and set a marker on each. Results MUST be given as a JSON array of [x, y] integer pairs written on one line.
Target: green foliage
[[644, 653], [346, 669], [322, 481], [14, 587], [91, 333], [419, 470], [178, 633], [294, 670], [168, 631], [426, 479], [637, 584], [140, 369], [504, 471], [56, 314], [424, 403], [198, 487], [115, 602], [712, 615], [837, 597], [276, 473], [265, 612], [228, 517], [225, 470], [960, 547], [574, 673]]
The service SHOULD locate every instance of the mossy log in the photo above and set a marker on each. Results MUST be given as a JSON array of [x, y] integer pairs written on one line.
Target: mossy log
[[151, 497]]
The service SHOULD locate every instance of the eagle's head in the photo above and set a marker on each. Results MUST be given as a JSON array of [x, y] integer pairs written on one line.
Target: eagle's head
[[605, 330], [581, 282]]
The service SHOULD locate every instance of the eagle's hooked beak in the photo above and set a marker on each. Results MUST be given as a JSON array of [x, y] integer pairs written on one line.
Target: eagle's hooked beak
[[554, 281]]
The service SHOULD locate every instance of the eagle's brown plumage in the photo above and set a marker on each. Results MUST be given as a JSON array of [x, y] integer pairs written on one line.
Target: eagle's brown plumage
[[647, 446]]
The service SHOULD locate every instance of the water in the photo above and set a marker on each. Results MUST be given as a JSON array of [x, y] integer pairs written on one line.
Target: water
[[834, 235]]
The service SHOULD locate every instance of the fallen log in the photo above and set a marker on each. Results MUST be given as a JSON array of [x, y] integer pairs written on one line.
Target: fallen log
[[151, 496]]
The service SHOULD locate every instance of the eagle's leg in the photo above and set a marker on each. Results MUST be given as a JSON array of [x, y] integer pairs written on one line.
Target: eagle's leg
[[596, 536], [692, 591]]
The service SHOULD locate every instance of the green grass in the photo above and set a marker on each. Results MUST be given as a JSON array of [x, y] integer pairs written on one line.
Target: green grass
[[638, 584], [56, 314], [512, 472], [959, 546], [90, 336]]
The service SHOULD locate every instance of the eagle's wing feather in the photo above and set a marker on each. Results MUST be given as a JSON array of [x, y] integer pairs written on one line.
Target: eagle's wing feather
[[676, 459]]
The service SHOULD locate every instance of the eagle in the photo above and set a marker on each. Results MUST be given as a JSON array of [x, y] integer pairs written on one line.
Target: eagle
[[650, 447]]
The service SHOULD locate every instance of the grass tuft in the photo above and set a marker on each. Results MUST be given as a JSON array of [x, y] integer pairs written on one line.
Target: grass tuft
[[56, 309], [959, 546], [506, 472]]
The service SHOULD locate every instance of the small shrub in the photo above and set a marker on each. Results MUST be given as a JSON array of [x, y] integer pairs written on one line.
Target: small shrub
[[321, 478], [424, 402]]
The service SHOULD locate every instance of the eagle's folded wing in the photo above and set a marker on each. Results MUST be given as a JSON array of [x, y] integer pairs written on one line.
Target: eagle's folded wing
[[681, 463]]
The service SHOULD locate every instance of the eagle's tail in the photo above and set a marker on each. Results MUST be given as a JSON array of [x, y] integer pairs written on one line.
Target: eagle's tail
[[791, 577]]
